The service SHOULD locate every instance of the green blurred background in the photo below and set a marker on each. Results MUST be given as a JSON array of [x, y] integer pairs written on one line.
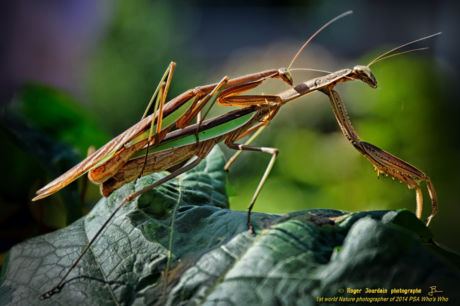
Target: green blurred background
[[76, 73]]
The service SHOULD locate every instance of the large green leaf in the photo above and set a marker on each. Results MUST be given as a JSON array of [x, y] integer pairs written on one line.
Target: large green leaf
[[43, 132], [214, 260], [58, 115]]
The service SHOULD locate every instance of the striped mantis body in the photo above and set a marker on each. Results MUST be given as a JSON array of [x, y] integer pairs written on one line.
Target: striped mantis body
[[109, 159], [183, 145]]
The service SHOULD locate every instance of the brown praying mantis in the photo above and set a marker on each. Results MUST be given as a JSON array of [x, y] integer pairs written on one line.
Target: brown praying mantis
[[182, 144]]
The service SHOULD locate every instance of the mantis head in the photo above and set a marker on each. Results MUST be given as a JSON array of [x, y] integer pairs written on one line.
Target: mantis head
[[285, 75], [364, 74]]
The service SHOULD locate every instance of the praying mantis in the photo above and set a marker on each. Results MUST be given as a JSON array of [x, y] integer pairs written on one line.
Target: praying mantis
[[149, 147]]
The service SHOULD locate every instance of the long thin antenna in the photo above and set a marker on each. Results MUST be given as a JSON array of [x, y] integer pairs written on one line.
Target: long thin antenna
[[310, 69], [401, 46], [398, 53], [315, 34]]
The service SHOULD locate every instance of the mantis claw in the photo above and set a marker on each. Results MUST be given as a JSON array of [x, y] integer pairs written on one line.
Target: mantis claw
[[383, 162], [397, 168]]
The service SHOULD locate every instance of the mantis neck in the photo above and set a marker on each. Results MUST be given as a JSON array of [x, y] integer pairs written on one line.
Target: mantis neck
[[319, 83]]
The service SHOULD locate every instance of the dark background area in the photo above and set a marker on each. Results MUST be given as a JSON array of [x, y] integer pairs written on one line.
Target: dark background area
[[76, 73]]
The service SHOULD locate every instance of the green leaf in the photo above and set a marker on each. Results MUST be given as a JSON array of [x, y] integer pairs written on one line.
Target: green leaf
[[44, 132], [60, 116], [214, 260]]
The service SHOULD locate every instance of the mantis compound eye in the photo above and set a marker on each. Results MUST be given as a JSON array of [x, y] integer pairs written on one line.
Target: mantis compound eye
[[365, 74]]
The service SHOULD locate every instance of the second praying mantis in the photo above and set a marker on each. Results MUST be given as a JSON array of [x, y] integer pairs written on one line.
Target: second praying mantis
[[148, 146]]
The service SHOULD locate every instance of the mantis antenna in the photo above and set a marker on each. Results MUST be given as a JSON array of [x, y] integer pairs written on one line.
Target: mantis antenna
[[399, 47], [311, 69], [316, 33], [398, 53]]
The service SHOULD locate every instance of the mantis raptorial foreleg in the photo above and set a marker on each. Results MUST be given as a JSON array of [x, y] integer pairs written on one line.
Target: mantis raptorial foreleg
[[274, 153], [232, 97], [397, 168], [383, 161], [235, 87], [235, 92], [213, 95], [199, 103]]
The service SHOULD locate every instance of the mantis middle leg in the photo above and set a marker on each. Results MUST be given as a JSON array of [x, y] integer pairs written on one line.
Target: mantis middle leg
[[274, 153], [259, 128]]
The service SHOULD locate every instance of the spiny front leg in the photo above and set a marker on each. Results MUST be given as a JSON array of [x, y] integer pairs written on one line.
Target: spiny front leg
[[199, 103], [383, 161], [397, 168], [233, 96]]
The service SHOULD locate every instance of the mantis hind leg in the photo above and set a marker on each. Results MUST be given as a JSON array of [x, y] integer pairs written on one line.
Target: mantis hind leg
[[159, 95], [159, 91], [107, 169]]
